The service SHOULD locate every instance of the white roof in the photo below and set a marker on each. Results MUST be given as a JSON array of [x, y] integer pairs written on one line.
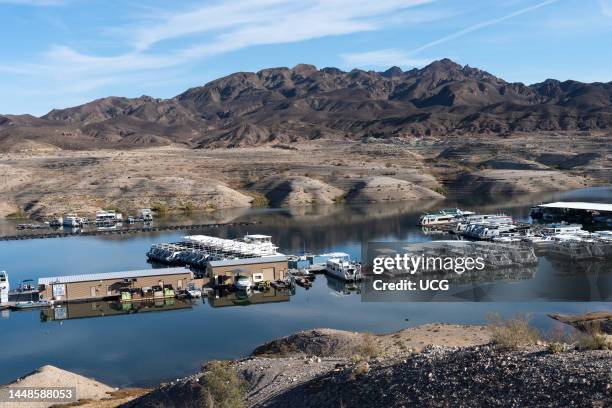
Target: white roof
[[576, 205], [248, 261], [257, 236], [111, 275]]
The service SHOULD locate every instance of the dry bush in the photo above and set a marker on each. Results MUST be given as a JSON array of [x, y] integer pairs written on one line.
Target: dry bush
[[512, 333], [594, 339], [221, 387], [368, 348]]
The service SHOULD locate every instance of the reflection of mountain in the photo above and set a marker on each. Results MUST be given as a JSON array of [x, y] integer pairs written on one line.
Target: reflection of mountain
[[106, 308], [250, 298]]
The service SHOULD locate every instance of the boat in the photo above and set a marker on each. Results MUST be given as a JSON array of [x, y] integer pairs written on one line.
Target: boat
[[279, 284], [4, 287], [56, 222], [343, 268], [71, 220], [564, 228], [603, 235], [35, 304], [108, 217], [242, 282], [193, 291], [481, 219], [303, 281], [444, 216], [146, 214]]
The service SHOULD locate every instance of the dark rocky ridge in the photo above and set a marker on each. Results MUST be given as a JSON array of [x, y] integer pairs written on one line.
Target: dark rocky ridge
[[281, 105]]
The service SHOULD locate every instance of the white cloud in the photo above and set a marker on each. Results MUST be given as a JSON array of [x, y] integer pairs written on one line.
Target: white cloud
[[481, 25], [212, 29], [384, 58]]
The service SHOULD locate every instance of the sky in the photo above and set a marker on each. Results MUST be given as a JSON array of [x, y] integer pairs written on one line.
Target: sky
[[62, 53]]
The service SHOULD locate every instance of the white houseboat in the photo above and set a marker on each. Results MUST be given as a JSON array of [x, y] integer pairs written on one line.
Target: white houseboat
[[108, 217], [444, 216], [4, 287], [341, 267]]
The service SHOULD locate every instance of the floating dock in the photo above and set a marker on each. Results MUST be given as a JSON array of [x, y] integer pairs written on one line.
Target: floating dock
[[123, 231]]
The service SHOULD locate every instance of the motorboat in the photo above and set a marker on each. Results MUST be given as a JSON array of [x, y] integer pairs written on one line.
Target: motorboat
[[193, 291], [242, 282]]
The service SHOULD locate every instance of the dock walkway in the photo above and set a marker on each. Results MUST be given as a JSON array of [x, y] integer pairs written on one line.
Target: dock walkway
[[58, 234]]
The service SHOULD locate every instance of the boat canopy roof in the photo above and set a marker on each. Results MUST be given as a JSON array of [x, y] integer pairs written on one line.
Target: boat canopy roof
[[576, 205]]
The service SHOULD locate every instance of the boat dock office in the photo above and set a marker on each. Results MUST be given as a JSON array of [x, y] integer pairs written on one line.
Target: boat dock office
[[112, 284], [260, 269]]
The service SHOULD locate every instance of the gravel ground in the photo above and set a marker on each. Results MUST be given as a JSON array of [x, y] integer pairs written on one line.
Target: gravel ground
[[480, 376], [50, 376]]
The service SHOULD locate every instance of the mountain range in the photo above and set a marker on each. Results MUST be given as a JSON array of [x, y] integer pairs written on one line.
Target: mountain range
[[284, 105]]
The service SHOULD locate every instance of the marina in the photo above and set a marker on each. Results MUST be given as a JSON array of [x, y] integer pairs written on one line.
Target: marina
[[76, 334]]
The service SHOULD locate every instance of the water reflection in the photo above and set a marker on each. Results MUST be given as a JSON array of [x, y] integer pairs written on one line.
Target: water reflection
[[110, 308]]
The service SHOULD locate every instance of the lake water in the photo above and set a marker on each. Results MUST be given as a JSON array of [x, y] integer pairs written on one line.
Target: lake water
[[142, 347]]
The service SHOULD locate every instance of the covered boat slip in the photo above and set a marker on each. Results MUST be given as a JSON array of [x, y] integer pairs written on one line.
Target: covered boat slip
[[585, 212], [111, 284]]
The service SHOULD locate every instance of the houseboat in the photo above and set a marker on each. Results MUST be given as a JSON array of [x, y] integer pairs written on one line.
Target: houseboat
[[71, 220], [563, 229], [4, 287], [481, 219], [343, 268], [108, 217], [444, 216]]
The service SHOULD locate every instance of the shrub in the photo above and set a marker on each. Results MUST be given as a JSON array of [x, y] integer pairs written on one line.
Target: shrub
[[368, 348], [221, 387], [512, 333], [441, 190], [161, 209], [20, 214], [593, 338], [188, 207], [594, 341], [556, 347], [259, 200]]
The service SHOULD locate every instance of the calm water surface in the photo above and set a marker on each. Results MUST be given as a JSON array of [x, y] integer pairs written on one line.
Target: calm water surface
[[125, 348]]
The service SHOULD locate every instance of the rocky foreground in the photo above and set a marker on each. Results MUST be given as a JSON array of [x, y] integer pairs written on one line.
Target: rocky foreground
[[292, 375], [434, 365]]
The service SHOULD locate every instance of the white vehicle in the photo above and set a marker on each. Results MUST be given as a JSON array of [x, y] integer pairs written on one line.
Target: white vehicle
[[4, 287], [343, 268], [71, 220]]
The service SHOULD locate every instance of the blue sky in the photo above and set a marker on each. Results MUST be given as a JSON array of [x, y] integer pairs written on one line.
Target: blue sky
[[60, 53]]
